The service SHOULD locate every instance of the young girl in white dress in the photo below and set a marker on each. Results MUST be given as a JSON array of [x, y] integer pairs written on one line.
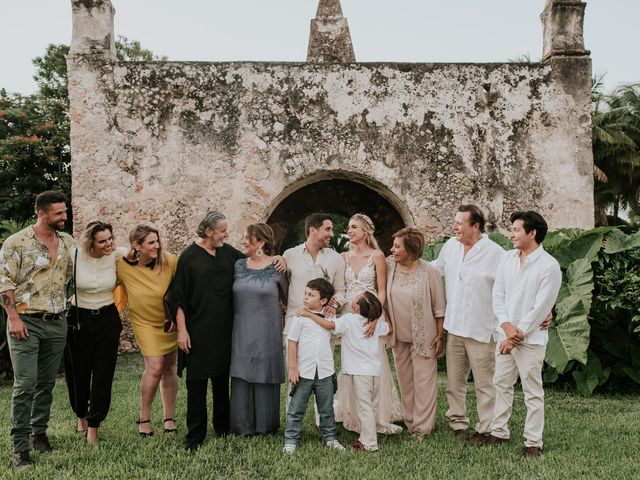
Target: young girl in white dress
[[366, 270]]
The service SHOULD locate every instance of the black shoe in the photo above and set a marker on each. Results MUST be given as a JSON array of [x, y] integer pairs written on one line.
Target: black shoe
[[41, 443], [170, 430], [192, 447], [21, 460]]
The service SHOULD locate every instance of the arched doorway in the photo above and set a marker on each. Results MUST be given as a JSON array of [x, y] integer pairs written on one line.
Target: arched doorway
[[340, 194]]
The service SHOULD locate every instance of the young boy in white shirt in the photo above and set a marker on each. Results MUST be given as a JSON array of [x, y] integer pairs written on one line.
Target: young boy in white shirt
[[360, 360], [311, 369]]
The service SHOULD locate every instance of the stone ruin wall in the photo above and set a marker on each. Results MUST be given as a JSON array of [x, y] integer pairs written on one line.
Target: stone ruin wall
[[163, 142]]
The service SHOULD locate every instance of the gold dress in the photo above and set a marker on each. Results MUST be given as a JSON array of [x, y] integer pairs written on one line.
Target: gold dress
[[143, 292]]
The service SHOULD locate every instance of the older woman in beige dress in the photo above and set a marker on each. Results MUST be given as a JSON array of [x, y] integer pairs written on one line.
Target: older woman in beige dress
[[415, 305]]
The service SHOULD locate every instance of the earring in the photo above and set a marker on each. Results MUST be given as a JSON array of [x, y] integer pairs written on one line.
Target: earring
[[259, 252], [136, 254]]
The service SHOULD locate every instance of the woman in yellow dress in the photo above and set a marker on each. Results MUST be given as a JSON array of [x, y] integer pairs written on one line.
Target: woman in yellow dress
[[146, 273]]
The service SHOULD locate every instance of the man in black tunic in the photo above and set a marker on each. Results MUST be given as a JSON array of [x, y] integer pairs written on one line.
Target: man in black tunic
[[203, 298]]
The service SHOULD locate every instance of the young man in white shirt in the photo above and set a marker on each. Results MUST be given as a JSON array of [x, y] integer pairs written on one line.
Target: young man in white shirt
[[526, 288], [468, 262], [311, 369], [314, 259]]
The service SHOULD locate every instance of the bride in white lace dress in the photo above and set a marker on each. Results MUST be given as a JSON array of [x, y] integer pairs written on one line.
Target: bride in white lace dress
[[366, 270]]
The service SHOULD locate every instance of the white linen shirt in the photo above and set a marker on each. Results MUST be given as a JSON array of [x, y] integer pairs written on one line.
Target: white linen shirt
[[301, 269], [359, 355], [314, 348], [524, 295], [469, 283]]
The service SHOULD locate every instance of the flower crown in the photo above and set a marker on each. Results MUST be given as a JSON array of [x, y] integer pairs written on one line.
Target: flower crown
[[365, 218]]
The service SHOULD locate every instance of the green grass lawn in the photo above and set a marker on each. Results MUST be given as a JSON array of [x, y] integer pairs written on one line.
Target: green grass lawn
[[596, 437]]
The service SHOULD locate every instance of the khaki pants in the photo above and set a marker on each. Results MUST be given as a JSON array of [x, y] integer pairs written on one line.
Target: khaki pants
[[524, 361], [418, 380], [365, 391], [462, 356]]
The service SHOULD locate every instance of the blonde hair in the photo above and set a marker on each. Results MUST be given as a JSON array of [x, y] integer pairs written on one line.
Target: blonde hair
[[138, 235], [368, 228], [90, 231]]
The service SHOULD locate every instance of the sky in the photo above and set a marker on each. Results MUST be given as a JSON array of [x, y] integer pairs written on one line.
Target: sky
[[278, 30]]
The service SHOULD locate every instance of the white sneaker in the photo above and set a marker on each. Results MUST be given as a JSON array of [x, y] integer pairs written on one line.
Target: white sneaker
[[289, 448], [336, 445]]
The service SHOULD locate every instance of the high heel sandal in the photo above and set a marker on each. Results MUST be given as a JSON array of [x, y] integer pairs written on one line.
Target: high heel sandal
[[144, 434], [170, 430]]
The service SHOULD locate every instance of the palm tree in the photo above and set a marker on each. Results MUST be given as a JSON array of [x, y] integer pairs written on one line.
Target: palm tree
[[616, 150]]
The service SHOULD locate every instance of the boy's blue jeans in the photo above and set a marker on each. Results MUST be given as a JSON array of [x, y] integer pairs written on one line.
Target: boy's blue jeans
[[323, 390]]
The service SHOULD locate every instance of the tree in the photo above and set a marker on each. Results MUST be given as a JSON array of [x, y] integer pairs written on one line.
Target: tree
[[34, 131], [616, 151], [34, 154]]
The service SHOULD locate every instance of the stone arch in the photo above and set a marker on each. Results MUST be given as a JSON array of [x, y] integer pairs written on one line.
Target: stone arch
[[340, 193]]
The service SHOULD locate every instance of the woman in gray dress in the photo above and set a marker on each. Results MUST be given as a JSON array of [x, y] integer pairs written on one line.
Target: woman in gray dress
[[257, 363]]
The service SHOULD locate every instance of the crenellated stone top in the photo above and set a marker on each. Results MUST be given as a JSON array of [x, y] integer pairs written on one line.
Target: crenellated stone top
[[330, 39], [93, 28], [562, 23]]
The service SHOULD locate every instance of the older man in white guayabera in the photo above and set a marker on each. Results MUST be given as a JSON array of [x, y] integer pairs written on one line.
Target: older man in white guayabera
[[468, 262]]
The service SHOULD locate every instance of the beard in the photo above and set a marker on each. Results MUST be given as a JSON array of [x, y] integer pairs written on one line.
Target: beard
[[59, 225]]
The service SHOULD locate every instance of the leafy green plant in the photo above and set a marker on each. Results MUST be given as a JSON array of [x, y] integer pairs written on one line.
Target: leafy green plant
[[10, 226]]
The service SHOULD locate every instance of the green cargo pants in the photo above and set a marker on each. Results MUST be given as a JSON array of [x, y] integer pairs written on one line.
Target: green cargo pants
[[36, 362]]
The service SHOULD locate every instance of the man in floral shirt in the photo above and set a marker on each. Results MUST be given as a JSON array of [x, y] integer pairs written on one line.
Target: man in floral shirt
[[35, 266]]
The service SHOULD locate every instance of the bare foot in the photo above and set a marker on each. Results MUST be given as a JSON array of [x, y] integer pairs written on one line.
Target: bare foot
[[82, 426], [92, 436]]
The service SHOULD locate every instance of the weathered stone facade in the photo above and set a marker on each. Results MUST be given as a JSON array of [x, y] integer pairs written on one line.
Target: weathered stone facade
[[162, 142]]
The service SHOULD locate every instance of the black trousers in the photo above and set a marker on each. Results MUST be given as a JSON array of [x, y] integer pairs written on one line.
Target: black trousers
[[90, 362], [197, 407]]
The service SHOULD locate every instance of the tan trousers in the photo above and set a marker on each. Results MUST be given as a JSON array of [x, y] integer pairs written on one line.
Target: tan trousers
[[365, 391], [462, 356], [418, 380], [525, 361]]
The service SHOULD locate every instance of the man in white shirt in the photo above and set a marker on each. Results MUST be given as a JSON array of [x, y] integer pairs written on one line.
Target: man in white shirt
[[468, 263], [526, 288], [314, 259]]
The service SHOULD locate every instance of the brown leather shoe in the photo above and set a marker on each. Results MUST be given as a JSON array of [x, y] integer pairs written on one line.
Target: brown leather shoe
[[357, 445], [531, 452], [493, 440], [460, 433], [478, 439]]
